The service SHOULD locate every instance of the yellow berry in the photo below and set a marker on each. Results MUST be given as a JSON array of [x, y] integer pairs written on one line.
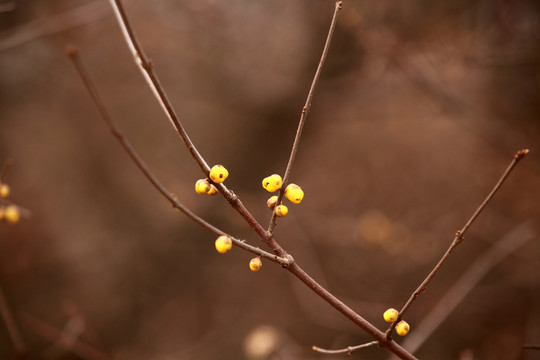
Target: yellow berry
[[213, 190], [255, 264], [223, 244], [391, 315], [202, 186], [272, 183], [218, 174], [4, 190], [294, 193], [12, 214], [281, 210], [271, 203], [402, 328]]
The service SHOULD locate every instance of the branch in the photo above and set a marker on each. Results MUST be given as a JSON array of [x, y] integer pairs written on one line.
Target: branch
[[348, 350], [458, 238], [73, 54], [463, 286], [5, 167], [305, 111], [12, 328]]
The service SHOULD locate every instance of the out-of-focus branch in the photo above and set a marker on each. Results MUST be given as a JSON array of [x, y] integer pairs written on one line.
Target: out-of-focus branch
[[460, 236], [115, 130], [58, 337], [12, 328], [5, 167], [69, 19], [304, 114]]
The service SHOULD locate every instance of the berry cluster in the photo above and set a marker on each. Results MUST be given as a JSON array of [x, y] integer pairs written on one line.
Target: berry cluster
[[293, 193], [391, 315]]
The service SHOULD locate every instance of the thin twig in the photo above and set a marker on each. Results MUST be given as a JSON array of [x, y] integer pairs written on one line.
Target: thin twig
[[466, 283], [458, 238], [531, 347], [348, 350], [73, 54], [5, 167], [147, 69], [12, 328], [304, 114]]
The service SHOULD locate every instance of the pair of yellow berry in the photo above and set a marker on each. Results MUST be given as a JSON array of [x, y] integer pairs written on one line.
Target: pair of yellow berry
[[293, 193], [10, 213], [218, 174], [391, 315], [224, 244]]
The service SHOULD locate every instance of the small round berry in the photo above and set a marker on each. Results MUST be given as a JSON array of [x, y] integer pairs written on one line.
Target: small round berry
[[202, 186], [218, 174], [272, 183], [271, 203], [281, 210], [213, 190], [255, 264], [294, 193], [223, 244], [402, 328], [12, 214], [391, 315], [4, 190]]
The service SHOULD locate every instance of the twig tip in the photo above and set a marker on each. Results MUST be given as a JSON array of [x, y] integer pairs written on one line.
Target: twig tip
[[71, 51], [521, 153]]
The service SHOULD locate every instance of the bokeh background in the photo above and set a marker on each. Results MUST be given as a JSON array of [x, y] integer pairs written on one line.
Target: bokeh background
[[420, 108]]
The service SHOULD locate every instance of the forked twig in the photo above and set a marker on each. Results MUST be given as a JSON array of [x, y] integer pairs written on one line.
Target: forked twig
[[458, 239], [305, 111], [115, 130]]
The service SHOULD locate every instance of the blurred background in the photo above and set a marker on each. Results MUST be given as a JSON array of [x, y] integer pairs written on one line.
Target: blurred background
[[420, 108]]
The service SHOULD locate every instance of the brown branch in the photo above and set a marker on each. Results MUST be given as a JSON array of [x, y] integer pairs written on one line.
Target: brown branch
[[53, 335], [531, 347], [12, 328], [304, 114], [73, 54], [458, 238], [5, 167], [463, 286], [348, 350]]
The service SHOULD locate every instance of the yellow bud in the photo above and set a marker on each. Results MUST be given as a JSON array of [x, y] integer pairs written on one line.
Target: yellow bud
[[272, 183], [402, 328], [391, 315], [223, 244], [255, 264], [202, 186], [4, 190], [218, 174], [12, 214], [281, 210], [294, 193], [213, 190], [271, 203]]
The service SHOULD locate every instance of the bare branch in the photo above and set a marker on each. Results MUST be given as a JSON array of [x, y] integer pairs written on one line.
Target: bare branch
[[304, 114], [348, 350], [470, 278], [115, 130], [12, 328], [458, 238]]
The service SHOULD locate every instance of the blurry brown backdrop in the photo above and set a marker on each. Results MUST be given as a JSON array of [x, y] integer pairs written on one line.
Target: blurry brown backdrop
[[420, 108]]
